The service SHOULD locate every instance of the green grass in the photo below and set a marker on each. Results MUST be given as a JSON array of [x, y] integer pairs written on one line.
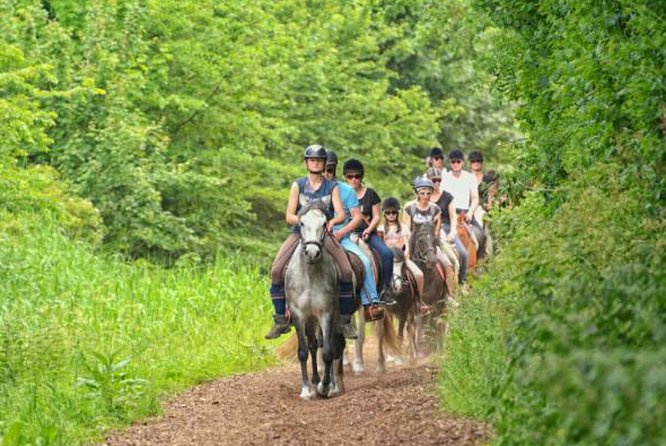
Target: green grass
[[88, 342]]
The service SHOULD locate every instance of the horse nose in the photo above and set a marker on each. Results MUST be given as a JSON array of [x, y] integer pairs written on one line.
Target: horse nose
[[313, 253]]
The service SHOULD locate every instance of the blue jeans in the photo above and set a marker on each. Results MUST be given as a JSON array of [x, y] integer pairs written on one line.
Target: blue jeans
[[377, 244], [368, 290], [462, 252]]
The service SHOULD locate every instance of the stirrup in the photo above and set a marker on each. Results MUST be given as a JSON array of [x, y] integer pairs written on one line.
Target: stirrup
[[386, 299], [373, 312]]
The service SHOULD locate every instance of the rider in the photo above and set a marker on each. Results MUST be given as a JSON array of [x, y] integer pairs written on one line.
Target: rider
[[396, 235], [484, 181], [353, 172], [449, 235], [342, 232], [436, 159], [463, 186], [312, 187], [422, 211]]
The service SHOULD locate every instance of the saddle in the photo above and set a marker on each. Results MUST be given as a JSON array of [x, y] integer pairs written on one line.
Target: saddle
[[375, 260], [357, 267]]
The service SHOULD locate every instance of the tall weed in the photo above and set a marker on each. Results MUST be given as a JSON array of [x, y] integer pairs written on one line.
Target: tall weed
[[88, 342]]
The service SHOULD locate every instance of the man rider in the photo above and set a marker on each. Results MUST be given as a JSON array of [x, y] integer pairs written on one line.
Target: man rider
[[463, 186]]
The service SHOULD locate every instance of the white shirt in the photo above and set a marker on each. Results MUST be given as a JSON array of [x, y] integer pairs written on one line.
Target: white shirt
[[461, 188]]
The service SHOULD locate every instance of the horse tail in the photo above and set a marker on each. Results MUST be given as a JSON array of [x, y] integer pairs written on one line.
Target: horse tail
[[287, 350], [389, 335]]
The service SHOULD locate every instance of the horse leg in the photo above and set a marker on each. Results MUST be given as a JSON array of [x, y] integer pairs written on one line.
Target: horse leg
[[379, 332], [358, 366], [313, 346], [306, 390], [326, 323], [398, 360], [411, 340], [337, 377]]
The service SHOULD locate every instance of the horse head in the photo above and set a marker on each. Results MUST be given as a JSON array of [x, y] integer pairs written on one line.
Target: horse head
[[424, 244], [312, 221], [399, 279]]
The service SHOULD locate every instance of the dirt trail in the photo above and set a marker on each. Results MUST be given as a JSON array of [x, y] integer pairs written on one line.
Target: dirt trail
[[395, 408]]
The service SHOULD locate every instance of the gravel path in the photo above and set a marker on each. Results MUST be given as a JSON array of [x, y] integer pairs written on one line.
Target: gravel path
[[395, 408]]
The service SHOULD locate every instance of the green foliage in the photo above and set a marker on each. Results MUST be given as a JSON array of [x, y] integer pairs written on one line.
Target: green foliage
[[88, 342], [167, 111], [580, 360], [29, 197]]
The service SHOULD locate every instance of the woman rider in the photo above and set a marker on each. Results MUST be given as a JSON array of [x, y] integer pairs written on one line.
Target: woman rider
[[342, 232], [353, 172], [422, 211], [397, 236], [312, 187]]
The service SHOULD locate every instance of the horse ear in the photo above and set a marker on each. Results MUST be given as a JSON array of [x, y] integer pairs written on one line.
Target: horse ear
[[302, 200]]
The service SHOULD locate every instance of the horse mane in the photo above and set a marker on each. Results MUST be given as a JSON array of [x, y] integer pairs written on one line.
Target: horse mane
[[316, 204], [398, 254]]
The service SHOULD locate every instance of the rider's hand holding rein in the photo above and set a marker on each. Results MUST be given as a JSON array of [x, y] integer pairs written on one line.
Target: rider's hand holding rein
[[356, 218]]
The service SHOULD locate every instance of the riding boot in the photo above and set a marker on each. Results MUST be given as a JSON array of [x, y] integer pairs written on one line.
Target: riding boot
[[280, 326], [347, 327], [386, 298]]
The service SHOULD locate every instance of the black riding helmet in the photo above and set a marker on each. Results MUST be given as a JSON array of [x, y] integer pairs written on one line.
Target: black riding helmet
[[456, 154], [352, 165], [315, 151], [390, 204], [436, 151], [331, 158], [475, 156]]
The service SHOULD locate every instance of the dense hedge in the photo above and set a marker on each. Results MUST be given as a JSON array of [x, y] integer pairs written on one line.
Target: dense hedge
[[573, 309]]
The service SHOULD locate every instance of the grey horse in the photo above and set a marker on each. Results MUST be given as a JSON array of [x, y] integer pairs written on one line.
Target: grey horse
[[311, 288]]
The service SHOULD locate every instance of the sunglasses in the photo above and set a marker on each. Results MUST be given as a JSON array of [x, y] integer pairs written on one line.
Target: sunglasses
[[456, 161], [330, 170], [390, 213], [425, 194], [436, 180], [437, 157], [354, 176]]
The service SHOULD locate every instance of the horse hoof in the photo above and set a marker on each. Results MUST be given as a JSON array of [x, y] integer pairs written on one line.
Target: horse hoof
[[335, 391], [358, 367], [323, 390], [307, 393]]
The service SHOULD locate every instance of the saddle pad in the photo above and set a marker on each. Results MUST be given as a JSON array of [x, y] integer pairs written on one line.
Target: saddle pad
[[357, 266]]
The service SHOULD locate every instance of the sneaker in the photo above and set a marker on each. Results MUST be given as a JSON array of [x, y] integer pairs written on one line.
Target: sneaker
[[386, 299], [452, 302], [280, 327], [347, 327], [373, 312]]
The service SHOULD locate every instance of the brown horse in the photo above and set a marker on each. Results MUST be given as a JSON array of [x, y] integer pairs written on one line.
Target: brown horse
[[423, 252], [405, 310], [463, 234]]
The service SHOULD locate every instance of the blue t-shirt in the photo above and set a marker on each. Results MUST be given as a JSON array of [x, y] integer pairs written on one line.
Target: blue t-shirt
[[349, 201]]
